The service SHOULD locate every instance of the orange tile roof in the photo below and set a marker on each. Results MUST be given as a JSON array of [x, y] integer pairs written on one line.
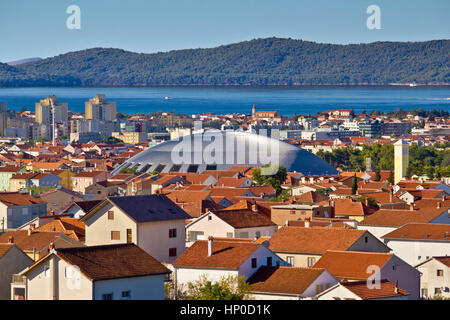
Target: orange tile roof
[[351, 264], [396, 218], [27, 242], [313, 240], [18, 199], [421, 231], [179, 196], [348, 207], [283, 280], [244, 218], [386, 290], [4, 248], [445, 260], [226, 254]]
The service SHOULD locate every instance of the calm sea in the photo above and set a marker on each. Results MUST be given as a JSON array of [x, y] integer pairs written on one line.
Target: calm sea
[[223, 100]]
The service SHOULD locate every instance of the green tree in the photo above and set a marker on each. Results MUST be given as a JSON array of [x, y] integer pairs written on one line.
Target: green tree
[[275, 180], [378, 175], [227, 288], [354, 185], [391, 177]]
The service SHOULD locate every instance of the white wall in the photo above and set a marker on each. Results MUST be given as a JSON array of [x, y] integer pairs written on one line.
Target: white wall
[[410, 250], [142, 288], [430, 281]]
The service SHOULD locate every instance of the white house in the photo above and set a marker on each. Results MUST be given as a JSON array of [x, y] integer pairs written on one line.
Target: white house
[[230, 224], [375, 266], [386, 220], [435, 278], [152, 222], [288, 283], [358, 290], [418, 242], [113, 272], [217, 258]]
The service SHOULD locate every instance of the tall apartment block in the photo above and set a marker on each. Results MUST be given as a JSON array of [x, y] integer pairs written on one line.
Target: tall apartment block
[[44, 111], [98, 108], [3, 119]]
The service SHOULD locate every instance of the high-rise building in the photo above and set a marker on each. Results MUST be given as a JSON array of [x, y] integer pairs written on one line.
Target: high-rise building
[[3, 119], [98, 108], [401, 160], [44, 111]]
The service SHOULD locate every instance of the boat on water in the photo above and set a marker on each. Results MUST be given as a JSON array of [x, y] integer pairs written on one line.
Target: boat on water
[[166, 98]]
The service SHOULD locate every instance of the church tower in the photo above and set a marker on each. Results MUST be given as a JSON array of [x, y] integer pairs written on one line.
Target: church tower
[[401, 160], [253, 112]]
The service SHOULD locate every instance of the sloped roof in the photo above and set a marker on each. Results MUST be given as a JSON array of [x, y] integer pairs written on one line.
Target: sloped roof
[[395, 218], [287, 280], [226, 254], [386, 290], [421, 231], [351, 264], [313, 240], [27, 242], [18, 199], [148, 208], [244, 218]]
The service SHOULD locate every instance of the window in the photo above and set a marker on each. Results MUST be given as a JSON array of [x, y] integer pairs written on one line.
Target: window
[[440, 273], [115, 235], [258, 234], [269, 261], [311, 261], [290, 260], [107, 296], [424, 292], [366, 239], [209, 217], [126, 294], [229, 234], [278, 263], [437, 290], [110, 215], [172, 233], [172, 252], [254, 263], [47, 271], [319, 288], [68, 273], [129, 236]]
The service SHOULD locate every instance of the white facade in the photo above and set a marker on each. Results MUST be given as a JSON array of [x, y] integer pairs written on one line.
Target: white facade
[[183, 275], [418, 251], [435, 279], [211, 225]]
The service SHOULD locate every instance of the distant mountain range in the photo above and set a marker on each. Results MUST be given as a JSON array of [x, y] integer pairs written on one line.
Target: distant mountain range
[[19, 62], [271, 61]]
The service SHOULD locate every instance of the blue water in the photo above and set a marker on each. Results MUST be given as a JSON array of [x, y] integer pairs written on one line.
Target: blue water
[[223, 100]]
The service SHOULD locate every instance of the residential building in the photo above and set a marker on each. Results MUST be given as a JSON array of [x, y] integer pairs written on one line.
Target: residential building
[[45, 179], [84, 179], [282, 213], [401, 160], [6, 173], [230, 224], [153, 222], [418, 242], [17, 208], [358, 290], [98, 108], [59, 198], [112, 272], [12, 261], [218, 258], [131, 137], [372, 266], [288, 283], [21, 181], [435, 277], [303, 246]]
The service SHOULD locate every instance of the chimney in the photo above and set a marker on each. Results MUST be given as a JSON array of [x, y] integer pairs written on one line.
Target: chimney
[[412, 206], [51, 246], [11, 239], [286, 223], [396, 287], [307, 222], [438, 205], [254, 208], [366, 202], [210, 246]]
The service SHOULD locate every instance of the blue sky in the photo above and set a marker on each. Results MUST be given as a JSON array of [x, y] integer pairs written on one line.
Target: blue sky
[[37, 28]]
